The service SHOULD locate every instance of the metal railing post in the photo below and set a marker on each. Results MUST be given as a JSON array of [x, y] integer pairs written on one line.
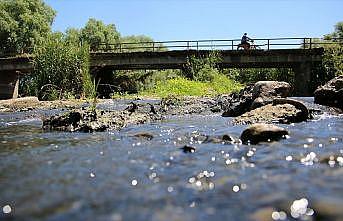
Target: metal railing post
[[310, 43], [224, 44]]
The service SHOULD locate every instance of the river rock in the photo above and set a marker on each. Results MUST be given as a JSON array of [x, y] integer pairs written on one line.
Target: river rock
[[262, 214], [254, 96], [280, 111], [20, 103], [187, 105], [262, 133], [328, 209], [188, 149], [224, 139], [265, 91], [96, 120], [330, 94], [237, 103], [144, 135]]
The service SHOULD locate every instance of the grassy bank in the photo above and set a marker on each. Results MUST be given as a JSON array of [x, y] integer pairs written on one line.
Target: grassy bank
[[181, 86]]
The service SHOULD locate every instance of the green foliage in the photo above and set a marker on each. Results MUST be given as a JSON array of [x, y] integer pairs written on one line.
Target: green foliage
[[98, 35], [202, 68], [338, 33], [73, 36], [333, 56], [140, 43], [221, 84], [252, 75], [136, 81], [201, 78], [60, 69], [23, 24], [184, 87], [332, 64]]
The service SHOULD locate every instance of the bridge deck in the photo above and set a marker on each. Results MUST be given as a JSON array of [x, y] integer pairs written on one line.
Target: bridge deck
[[177, 59], [301, 60]]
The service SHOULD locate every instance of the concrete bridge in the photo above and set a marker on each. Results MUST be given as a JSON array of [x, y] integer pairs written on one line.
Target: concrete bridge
[[300, 60]]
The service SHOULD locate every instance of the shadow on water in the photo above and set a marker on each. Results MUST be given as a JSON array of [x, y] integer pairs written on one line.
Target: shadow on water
[[125, 175]]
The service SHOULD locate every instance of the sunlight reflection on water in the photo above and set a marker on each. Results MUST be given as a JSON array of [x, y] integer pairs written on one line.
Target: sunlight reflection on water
[[115, 175]]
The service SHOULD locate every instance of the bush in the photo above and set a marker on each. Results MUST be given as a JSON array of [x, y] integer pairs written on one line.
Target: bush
[[333, 60], [136, 81], [61, 70], [181, 86], [252, 75], [202, 68]]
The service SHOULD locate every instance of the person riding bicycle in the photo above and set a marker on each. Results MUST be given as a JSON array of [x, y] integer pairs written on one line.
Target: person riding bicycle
[[245, 40]]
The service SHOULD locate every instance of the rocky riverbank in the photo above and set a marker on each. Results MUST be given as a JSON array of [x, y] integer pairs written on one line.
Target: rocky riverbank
[[32, 103], [264, 102]]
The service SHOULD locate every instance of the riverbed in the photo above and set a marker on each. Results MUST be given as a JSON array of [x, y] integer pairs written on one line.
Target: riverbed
[[141, 172]]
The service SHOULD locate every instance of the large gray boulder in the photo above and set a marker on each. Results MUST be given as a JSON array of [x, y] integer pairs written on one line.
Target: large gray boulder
[[265, 91], [281, 110], [254, 96], [330, 94]]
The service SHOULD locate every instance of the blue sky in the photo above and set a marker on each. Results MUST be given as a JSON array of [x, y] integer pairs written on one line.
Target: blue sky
[[204, 19]]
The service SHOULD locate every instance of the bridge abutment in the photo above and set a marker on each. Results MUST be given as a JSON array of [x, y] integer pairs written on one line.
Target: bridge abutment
[[302, 81], [9, 84]]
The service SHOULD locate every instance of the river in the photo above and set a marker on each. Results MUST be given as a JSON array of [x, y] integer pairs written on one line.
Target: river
[[118, 175]]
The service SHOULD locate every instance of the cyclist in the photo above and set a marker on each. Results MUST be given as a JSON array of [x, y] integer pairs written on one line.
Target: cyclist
[[245, 40]]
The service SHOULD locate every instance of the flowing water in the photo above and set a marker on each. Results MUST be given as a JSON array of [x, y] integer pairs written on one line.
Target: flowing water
[[119, 176]]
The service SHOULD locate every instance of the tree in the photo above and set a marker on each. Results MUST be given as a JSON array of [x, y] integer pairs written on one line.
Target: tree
[[338, 33], [23, 24], [333, 57], [140, 43], [99, 36], [73, 36]]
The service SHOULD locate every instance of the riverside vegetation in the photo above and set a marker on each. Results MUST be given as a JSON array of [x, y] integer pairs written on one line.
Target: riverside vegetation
[[61, 60], [196, 159]]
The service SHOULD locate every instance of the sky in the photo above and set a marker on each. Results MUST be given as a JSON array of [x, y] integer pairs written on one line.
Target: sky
[[165, 20]]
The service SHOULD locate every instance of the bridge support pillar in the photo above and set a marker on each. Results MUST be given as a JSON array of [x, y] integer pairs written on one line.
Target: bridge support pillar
[[302, 84], [9, 84]]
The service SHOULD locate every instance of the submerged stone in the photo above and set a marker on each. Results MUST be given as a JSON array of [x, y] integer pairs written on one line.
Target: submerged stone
[[226, 138], [262, 133], [188, 149], [143, 135]]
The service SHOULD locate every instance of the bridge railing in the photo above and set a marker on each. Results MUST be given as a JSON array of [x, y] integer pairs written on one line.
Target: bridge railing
[[221, 44]]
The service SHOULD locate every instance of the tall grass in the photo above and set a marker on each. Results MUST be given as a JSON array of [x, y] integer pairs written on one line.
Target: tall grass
[[201, 77], [181, 86], [61, 70]]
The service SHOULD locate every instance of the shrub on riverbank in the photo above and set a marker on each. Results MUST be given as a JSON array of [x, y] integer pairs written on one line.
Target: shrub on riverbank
[[61, 70], [202, 68], [200, 77], [181, 86]]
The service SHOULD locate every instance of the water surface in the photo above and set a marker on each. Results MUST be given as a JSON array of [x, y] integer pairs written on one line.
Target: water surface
[[118, 176]]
